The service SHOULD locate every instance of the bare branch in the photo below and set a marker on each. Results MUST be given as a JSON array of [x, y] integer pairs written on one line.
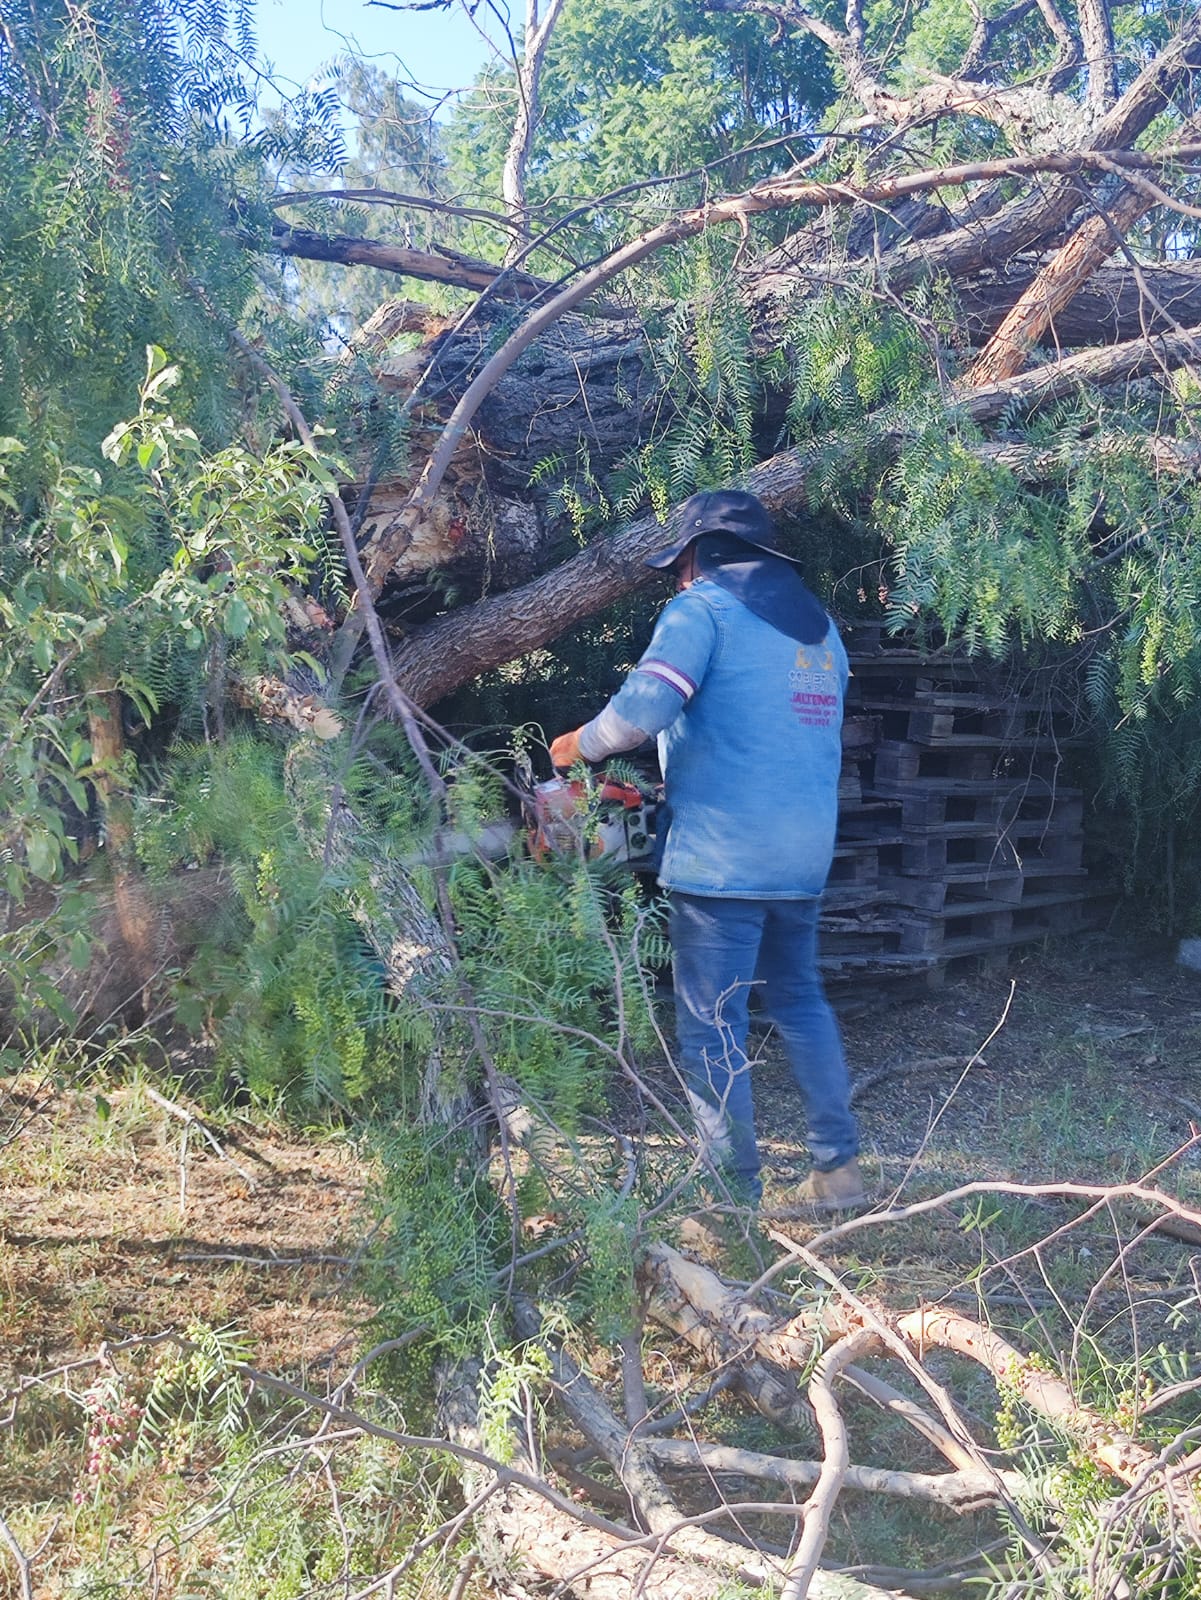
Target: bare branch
[[631, 1458], [449, 267], [21, 1560], [820, 1507], [1068, 46], [961, 1491], [918, 1418], [388, 197], [1096, 36], [1058, 282], [525, 118], [987, 30], [1109, 1445]]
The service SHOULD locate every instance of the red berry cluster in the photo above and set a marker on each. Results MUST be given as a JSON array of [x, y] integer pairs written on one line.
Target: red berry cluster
[[114, 1426]]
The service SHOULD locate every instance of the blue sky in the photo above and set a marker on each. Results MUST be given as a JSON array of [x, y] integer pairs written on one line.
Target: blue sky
[[439, 51]]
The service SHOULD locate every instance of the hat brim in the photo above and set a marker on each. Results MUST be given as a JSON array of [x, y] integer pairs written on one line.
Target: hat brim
[[669, 556]]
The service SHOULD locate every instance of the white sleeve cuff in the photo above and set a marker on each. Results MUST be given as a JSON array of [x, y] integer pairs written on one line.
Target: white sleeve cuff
[[608, 735]]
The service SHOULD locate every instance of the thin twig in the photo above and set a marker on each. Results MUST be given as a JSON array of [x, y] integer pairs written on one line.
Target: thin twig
[[191, 1120], [24, 1570], [955, 1088]]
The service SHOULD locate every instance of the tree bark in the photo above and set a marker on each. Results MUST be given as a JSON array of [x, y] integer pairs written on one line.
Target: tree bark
[[137, 923], [1112, 306], [1112, 364], [1058, 283], [458, 271], [434, 660], [525, 114], [437, 658]]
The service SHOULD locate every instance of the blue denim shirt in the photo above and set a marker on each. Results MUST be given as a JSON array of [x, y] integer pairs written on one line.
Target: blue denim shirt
[[750, 739]]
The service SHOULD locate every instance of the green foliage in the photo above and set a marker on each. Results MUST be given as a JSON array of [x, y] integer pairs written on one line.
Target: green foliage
[[1096, 1543], [446, 1232], [224, 1493], [510, 1396], [635, 91], [283, 982], [552, 950], [118, 167], [118, 573], [611, 1295]]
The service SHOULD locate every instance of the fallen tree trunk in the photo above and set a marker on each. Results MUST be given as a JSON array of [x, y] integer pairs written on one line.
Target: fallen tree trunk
[[439, 657]]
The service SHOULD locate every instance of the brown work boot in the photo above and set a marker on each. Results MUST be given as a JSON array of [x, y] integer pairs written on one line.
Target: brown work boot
[[824, 1192]]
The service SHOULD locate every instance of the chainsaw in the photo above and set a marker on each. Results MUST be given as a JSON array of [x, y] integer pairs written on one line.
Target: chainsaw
[[602, 818], [605, 818]]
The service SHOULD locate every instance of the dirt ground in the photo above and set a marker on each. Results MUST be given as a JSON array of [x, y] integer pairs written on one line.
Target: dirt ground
[[1082, 1062], [110, 1229]]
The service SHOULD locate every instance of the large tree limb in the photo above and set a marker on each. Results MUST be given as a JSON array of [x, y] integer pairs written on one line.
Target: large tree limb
[[439, 657], [449, 267], [1175, 458], [1113, 305], [772, 195], [1058, 283], [1044, 210], [720, 1325], [1092, 368], [1054, 287], [436, 659], [1110, 1446]]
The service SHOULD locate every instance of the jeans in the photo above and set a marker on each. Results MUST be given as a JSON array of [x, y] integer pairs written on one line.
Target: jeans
[[720, 947]]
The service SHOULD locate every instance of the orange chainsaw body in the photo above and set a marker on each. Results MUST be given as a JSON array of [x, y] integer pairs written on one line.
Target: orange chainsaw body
[[609, 819]]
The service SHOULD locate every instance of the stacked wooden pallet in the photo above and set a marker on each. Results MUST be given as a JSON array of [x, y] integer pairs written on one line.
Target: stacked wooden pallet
[[959, 836]]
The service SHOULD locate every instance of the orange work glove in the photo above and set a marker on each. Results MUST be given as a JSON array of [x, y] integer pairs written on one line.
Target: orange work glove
[[565, 750]]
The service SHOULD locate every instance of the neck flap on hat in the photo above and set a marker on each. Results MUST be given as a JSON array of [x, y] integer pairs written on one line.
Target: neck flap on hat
[[767, 584]]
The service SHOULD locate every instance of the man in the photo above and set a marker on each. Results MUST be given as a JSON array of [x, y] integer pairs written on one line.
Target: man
[[743, 683]]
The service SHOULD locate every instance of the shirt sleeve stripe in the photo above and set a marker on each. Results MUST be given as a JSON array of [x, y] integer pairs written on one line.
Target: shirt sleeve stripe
[[672, 676]]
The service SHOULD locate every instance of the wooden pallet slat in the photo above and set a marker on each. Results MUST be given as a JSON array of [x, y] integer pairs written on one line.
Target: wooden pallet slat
[[957, 838]]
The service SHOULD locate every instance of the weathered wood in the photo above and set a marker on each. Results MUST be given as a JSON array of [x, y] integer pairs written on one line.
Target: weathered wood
[[462, 272], [1115, 1451], [960, 1491], [1058, 283], [523, 1538]]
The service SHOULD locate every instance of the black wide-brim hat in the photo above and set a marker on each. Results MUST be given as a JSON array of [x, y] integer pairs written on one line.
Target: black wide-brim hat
[[721, 511]]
